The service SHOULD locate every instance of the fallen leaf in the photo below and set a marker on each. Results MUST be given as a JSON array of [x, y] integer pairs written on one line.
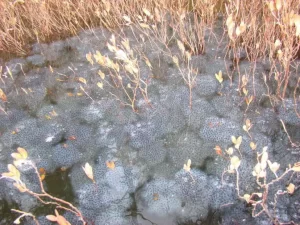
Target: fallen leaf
[[218, 150], [101, 74], [42, 173], [82, 80], [296, 167], [155, 196], [247, 197], [72, 138], [290, 188], [2, 95], [252, 145], [89, 58], [219, 76], [100, 85], [249, 100], [89, 171], [187, 167], [175, 61], [110, 164], [58, 218], [245, 91]]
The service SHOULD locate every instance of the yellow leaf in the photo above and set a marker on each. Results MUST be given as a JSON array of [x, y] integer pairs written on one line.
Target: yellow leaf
[[16, 156], [144, 25], [236, 141], [290, 188], [219, 76], [277, 43], [51, 69], [111, 48], [14, 171], [2, 95], [113, 39], [273, 166], [148, 63], [181, 46], [249, 100], [82, 80], [229, 151], [121, 55], [247, 197], [240, 29], [110, 164], [22, 152], [101, 74], [279, 54], [234, 162], [278, 4], [126, 45], [271, 5], [42, 173], [89, 171], [252, 145], [89, 58], [296, 167], [187, 167], [175, 60], [146, 11], [127, 18], [100, 85], [51, 218], [245, 91], [17, 221], [8, 174]]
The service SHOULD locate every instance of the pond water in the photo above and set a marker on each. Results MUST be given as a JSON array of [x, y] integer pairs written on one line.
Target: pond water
[[65, 114]]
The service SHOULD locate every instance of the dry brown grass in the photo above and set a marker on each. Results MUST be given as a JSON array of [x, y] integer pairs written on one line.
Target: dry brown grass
[[269, 29], [25, 21]]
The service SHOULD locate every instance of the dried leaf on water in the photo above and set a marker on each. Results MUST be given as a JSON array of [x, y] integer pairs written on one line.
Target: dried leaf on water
[[110, 164], [2, 95], [187, 167], [89, 171]]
